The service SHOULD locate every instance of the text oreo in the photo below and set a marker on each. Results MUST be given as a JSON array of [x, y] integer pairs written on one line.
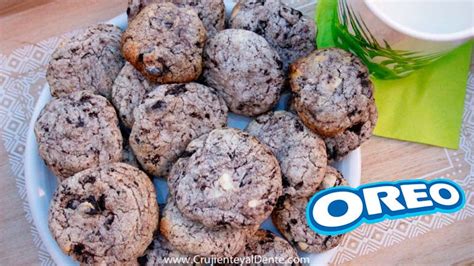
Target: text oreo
[[341, 209]]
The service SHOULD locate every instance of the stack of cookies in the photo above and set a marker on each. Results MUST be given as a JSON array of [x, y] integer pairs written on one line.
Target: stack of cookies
[[153, 101]]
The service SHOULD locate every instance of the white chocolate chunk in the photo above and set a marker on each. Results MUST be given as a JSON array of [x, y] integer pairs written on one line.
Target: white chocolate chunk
[[225, 181], [254, 203]]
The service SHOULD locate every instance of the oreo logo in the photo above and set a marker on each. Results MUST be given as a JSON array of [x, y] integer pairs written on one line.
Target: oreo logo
[[339, 210]]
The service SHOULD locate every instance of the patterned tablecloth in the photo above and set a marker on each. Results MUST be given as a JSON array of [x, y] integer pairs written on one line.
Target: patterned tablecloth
[[22, 76]]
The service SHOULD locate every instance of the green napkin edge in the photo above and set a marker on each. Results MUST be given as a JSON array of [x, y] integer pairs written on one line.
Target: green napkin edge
[[327, 19], [325, 36], [446, 83]]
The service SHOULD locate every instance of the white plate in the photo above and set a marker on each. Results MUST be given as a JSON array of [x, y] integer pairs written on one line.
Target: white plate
[[41, 183]]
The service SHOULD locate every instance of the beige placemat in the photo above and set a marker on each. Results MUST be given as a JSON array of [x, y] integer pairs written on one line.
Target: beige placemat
[[22, 76]]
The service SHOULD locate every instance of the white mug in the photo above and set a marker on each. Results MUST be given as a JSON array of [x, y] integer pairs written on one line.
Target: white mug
[[396, 37]]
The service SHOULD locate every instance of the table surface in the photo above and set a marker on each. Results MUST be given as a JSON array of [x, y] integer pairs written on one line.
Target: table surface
[[30, 21]]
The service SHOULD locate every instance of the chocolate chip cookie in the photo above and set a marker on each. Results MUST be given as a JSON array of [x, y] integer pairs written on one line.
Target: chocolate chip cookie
[[160, 252], [191, 237], [268, 245], [77, 132], [290, 33], [300, 152], [88, 61], [245, 70], [165, 42], [211, 12], [168, 118], [332, 91], [289, 217], [128, 91], [230, 180], [104, 215]]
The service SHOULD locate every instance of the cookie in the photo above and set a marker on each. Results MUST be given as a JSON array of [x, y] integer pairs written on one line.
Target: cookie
[[343, 143], [267, 245], [332, 91], [160, 252], [290, 33], [211, 12], [128, 91], [245, 70], [104, 215], [289, 217], [77, 132], [340, 145], [300, 152], [165, 43], [192, 237], [88, 61], [332, 178], [168, 118], [230, 180]]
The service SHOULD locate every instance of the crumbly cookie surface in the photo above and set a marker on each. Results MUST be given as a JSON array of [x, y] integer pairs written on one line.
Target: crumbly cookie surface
[[340, 145], [128, 91], [165, 43], [105, 215], [289, 217], [300, 152], [290, 33], [343, 143], [77, 132], [332, 91], [230, 180], [268, 245], [159, 251], [245, 70], [211, 12], [168, 118], [192, 237], [88, 61]]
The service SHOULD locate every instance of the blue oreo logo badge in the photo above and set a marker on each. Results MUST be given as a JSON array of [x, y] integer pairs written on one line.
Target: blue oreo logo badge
[[339, 210]]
